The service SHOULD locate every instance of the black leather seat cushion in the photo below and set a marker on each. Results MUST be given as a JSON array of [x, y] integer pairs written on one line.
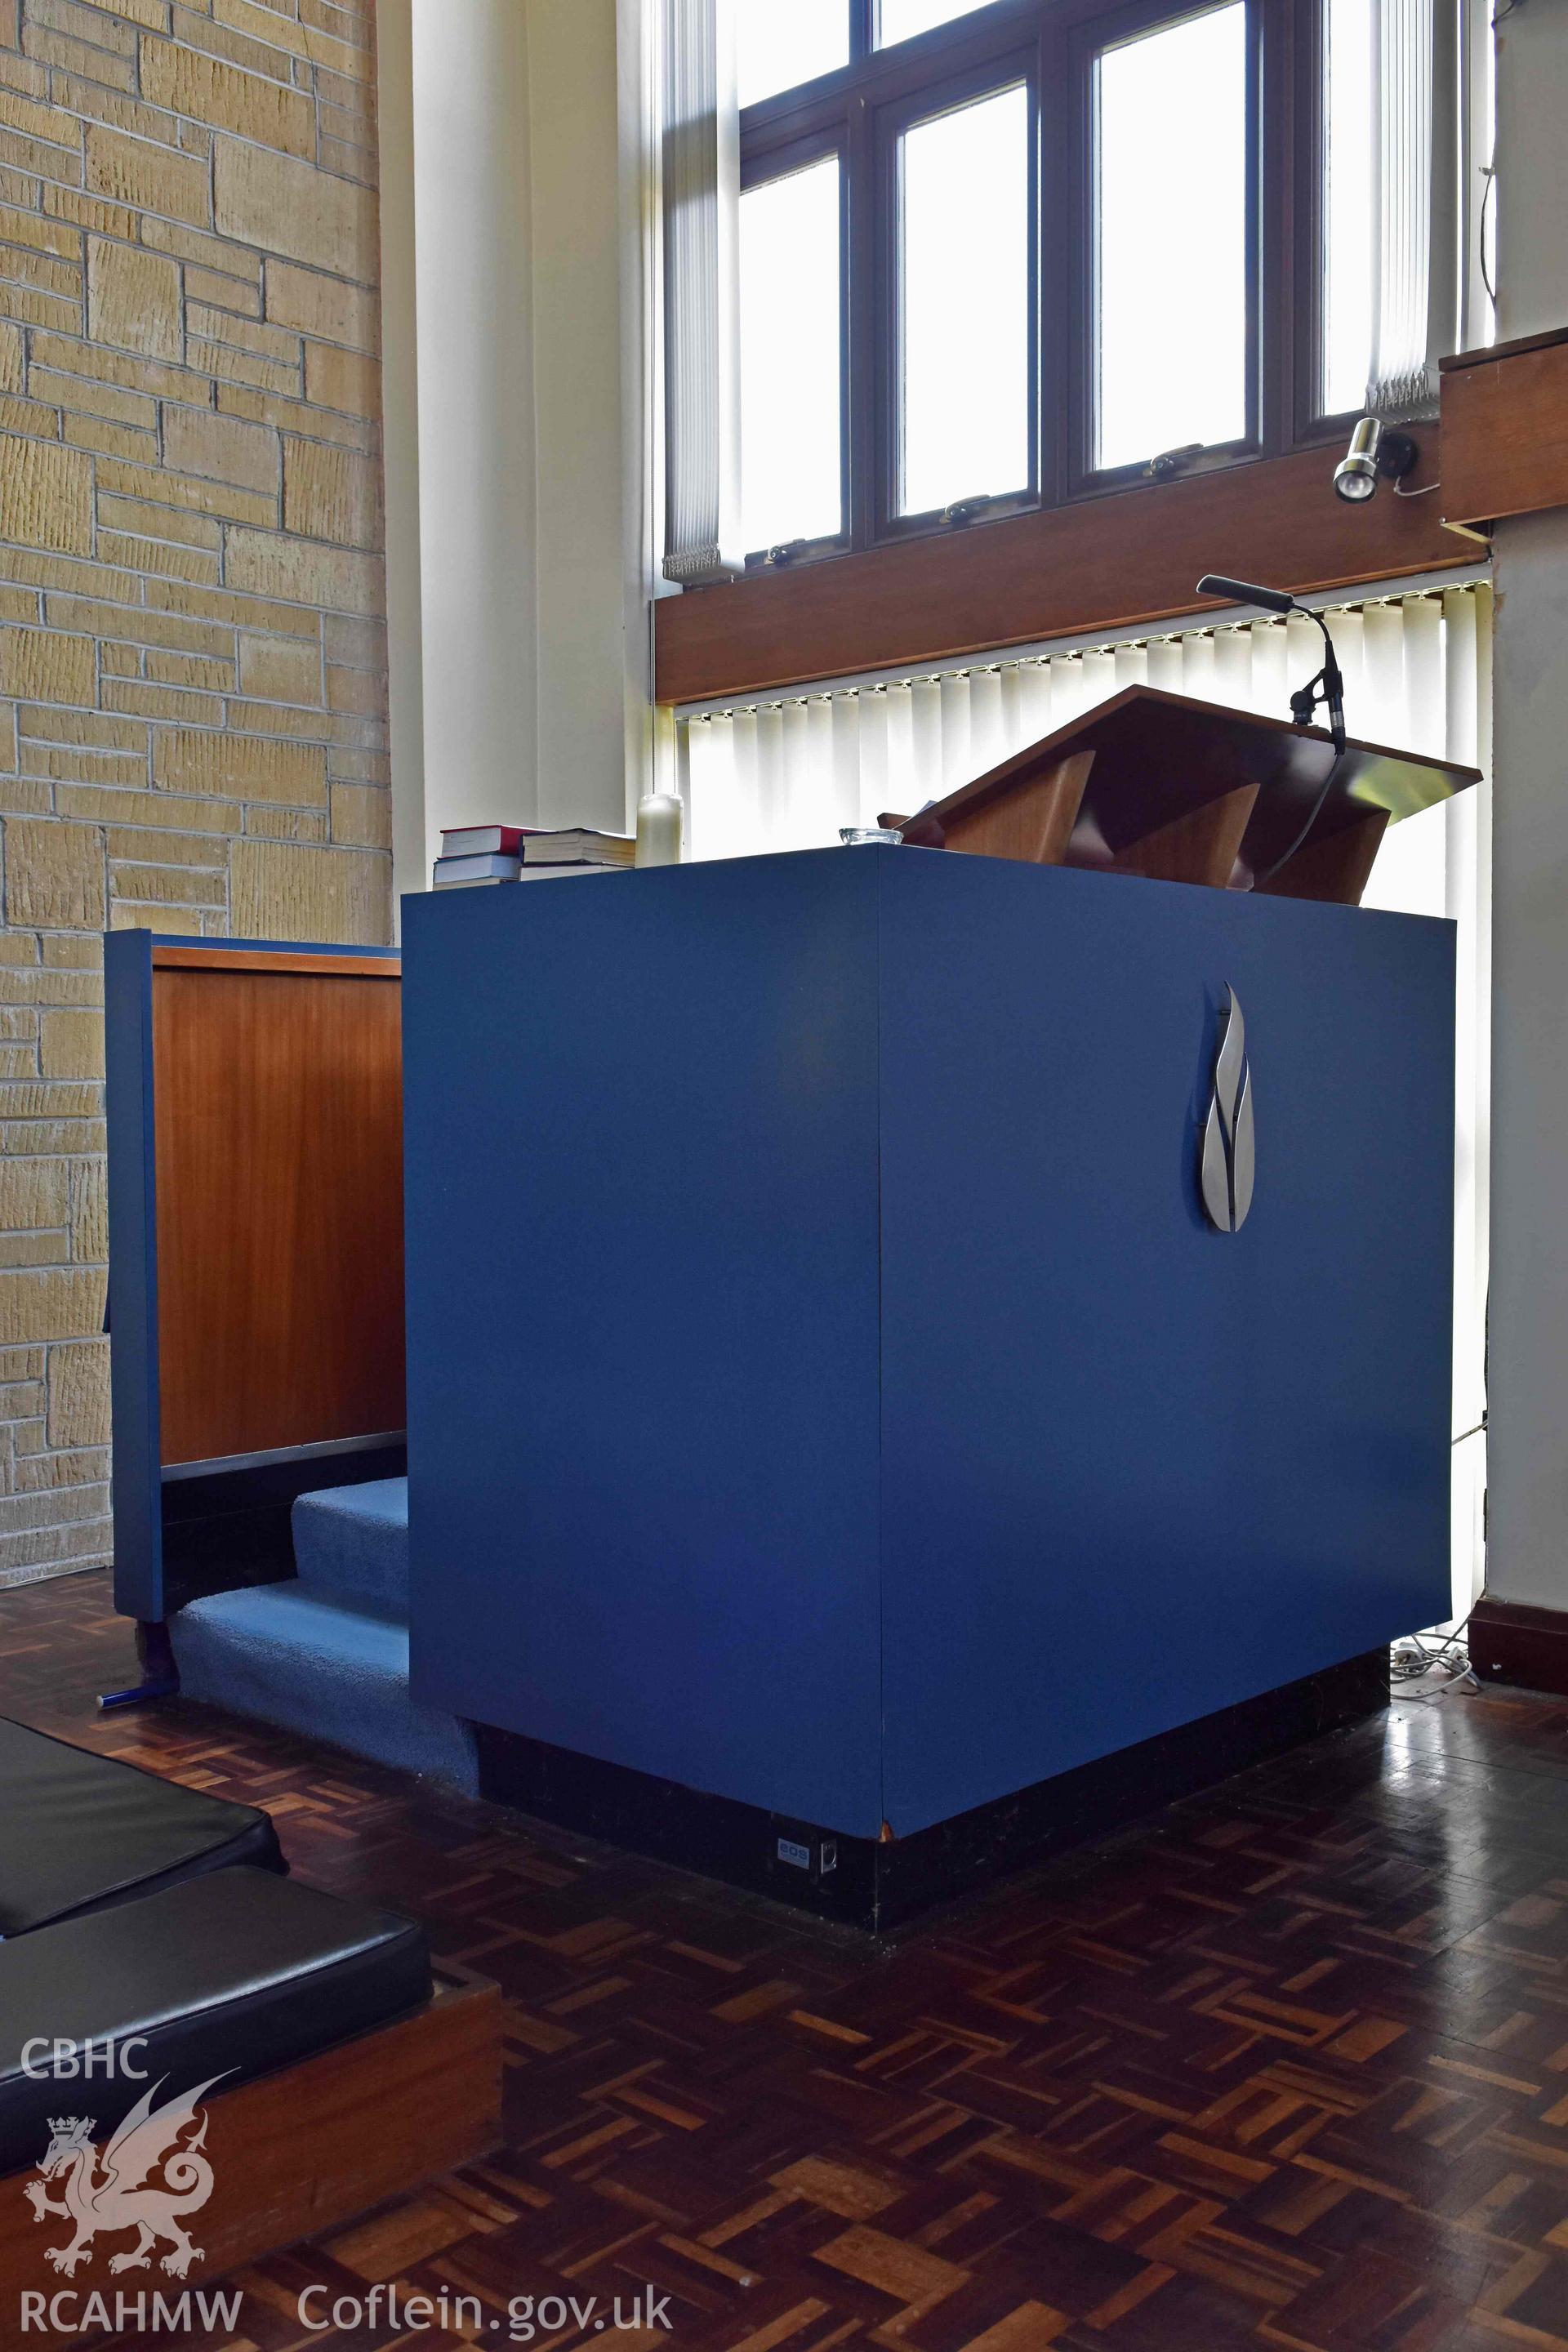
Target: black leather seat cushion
[[77, 1831], [231, 1974]]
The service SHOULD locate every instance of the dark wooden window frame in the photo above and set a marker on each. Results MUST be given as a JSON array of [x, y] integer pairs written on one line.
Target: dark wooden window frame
[[858, 111]]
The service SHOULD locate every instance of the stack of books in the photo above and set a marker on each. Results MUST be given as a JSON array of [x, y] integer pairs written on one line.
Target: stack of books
[[475, 855]]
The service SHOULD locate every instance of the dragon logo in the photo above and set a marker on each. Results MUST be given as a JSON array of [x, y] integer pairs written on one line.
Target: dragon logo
[[112, 2188]]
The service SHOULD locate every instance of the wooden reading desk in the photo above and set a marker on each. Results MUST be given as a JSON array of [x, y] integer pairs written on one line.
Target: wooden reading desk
[[1181, 791]]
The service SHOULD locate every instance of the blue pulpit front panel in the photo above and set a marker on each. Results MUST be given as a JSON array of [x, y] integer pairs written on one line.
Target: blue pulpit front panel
[[640, 1130], [825, 1389], [1135, 1470]]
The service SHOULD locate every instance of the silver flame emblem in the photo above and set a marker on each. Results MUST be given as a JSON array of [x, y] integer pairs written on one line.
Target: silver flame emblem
[[1229, 1158]]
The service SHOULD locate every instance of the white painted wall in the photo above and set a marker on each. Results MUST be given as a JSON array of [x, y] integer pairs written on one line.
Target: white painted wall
[[1528, 1440], [473, 257], [583, 486], [518, 547], [1532, 166], [400, 441]]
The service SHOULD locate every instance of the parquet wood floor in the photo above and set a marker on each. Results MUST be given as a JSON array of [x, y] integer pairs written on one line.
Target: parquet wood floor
[[1286, 2067]]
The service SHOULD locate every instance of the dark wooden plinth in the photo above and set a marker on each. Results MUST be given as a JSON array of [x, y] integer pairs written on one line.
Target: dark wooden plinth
[[1513, 1642], [882, 1884]]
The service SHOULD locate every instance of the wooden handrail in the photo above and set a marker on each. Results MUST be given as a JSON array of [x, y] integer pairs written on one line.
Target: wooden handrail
[[221, 958]]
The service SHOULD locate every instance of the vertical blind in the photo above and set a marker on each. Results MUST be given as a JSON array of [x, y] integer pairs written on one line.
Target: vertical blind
[[700, 197], [1415, 62], [785, 773]]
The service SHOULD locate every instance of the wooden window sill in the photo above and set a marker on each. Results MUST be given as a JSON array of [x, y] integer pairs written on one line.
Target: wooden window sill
[[1108, 562]]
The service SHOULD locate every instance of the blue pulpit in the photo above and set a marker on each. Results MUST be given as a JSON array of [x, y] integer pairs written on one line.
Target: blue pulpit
[[842, 1444]]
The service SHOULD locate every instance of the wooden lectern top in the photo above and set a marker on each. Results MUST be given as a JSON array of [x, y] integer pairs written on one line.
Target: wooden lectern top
[[1181, 791]]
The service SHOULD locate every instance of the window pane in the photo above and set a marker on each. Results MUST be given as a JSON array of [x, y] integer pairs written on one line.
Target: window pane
[[963, 309], [1171, 205], [781, 42], [900, 20], [791, 475], [1349, 209]]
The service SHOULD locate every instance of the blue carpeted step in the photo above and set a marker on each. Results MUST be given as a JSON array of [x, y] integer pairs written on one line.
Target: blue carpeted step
[[290, 1657], [351, 1544]]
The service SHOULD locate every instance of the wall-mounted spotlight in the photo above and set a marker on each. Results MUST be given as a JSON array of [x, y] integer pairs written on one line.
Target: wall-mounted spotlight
[[1375, 448]]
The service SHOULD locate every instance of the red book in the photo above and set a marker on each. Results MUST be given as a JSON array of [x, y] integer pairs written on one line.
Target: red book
[[484, 841]]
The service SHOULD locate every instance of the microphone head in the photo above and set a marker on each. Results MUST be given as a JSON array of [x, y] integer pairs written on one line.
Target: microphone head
[[1245, 592]]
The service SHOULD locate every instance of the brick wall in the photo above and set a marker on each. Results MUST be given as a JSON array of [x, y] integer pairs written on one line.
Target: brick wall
[[192, 695]]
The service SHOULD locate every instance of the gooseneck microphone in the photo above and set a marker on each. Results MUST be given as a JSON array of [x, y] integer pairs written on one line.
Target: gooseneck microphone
[[1329, 686], [1246, 591]]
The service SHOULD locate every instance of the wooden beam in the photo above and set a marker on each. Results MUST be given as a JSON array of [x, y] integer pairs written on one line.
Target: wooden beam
[[1505, 430], [1105, 563]]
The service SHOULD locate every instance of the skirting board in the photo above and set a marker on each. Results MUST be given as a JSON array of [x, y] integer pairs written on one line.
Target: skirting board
[[879, 1885], [1513, 1642]]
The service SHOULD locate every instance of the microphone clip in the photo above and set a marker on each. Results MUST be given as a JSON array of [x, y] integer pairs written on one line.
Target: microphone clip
[[1326, 691], [1305, 700]]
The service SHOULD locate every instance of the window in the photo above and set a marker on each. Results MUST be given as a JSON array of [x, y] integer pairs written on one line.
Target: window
[[900, 20], [1349, 153], [778, 46], [791, 377], [1076, 243], [1405, 136], [1171, 208], [963, 303]]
